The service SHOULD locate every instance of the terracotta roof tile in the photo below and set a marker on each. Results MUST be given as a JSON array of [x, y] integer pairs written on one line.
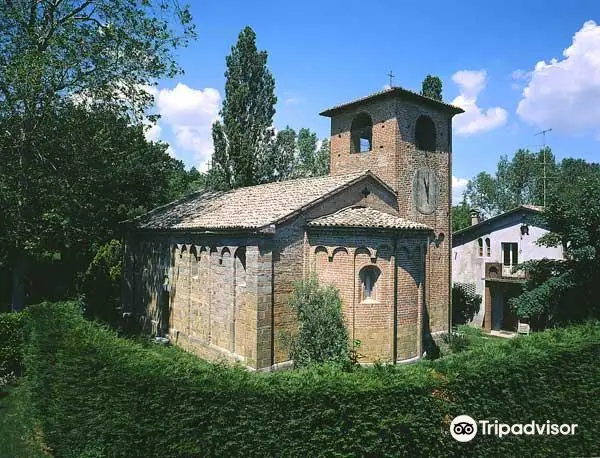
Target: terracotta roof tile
[[366, 217], [398, 91], [246, 208]]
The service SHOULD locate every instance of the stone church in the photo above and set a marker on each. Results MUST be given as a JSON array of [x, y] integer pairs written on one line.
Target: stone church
[[214, 270]]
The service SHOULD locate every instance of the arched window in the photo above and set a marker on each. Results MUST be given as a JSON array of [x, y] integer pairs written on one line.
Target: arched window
[[368, 280], [480, 243], [361, 133], [425, 137], [240, 266], [488, 249]]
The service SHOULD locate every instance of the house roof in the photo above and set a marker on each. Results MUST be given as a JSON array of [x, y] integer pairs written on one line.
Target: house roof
[[253, 207], [398, 92], [532, 209], [358, 216]]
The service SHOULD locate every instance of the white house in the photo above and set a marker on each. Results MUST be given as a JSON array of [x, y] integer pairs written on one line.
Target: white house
[[484, 256]]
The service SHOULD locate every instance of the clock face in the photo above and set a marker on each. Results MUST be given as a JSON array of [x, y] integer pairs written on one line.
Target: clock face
[[425, 191]]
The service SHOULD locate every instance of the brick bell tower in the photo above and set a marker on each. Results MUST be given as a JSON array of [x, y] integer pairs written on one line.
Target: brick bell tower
[[405, 139]]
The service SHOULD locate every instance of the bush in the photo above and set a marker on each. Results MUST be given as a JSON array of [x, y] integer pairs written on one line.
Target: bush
[[322, 334], [465, 304], [102, 283], [95, 394], [11, 344]]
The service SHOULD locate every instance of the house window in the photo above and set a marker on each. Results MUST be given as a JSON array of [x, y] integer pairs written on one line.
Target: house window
[[425, 134], [488, 250], [368, 279], [361, 133], [480, 243], [510, 253]]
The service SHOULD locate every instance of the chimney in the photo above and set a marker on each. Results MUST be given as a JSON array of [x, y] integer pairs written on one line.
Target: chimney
[[475, 217]]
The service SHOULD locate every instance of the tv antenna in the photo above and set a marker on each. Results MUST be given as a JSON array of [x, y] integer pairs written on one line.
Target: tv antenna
[[543, 134]]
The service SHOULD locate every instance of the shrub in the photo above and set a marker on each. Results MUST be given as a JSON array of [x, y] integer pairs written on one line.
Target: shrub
[[95, 394], [465, 304], [11, 343], [456, 341], [322, 334], [102, 283]]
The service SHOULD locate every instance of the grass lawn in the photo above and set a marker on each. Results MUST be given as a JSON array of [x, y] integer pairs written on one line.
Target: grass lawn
[[17, 437]]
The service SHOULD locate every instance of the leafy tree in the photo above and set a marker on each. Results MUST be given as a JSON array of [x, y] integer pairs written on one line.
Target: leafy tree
[[559, 292], [99, 53], [245, 134], [322, 335], [516, 182], [102, 170], [277, 162], [432, 87], [460, 216], [102, 282], [321, 162], [465, 304]]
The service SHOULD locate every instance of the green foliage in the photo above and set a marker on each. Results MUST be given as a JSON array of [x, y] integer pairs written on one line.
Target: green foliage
[[322, 334], [560, 292], [456, 341], [17, 429], [245, 134], [516, 182], [95, 394], [102, 282], [11, 343], [465, 304], [432, 87], [460, 216], [101, 55], [103, 171]]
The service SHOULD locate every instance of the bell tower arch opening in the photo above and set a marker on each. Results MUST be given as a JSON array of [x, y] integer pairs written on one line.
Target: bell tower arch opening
[[361, 133], [425, 135]]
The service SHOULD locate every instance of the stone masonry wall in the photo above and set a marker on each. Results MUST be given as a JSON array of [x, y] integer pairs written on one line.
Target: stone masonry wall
[[212, 301]]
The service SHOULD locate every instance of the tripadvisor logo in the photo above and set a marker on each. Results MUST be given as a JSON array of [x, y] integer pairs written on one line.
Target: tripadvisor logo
[[464, 428]]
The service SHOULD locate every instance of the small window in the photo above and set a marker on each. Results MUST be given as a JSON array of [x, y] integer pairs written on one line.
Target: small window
[[368, 278], [488, 250], [480, 243], [425, 137], [362, 134], [510, 254]]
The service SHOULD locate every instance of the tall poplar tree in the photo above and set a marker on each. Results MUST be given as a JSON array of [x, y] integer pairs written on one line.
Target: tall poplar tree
[[245, 133]]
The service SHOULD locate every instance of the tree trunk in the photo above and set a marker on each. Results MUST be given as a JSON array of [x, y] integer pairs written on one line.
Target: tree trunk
[[18, 283]]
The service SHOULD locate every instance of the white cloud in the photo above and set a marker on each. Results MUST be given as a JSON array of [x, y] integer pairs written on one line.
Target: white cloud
[[565, 94], [153, 132], [458, 187], [189, 113], [474, 119]]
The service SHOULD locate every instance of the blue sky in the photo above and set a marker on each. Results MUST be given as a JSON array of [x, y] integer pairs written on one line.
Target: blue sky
[[494, 60]]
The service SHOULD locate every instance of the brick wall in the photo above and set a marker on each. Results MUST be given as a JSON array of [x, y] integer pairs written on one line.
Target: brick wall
[[395, 159]]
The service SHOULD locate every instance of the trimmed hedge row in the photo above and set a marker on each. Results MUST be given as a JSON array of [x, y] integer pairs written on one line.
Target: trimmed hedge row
[[11, 342], [98, 395]]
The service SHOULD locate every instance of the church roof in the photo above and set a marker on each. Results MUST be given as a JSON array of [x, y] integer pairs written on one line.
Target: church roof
[[399, 92], [357, 217], [252, 207]]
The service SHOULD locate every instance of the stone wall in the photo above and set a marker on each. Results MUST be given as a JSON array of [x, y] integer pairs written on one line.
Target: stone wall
[[211, 304]]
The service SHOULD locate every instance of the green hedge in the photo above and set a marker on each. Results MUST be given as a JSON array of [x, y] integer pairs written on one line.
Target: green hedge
[[11, 342], [98, 395]]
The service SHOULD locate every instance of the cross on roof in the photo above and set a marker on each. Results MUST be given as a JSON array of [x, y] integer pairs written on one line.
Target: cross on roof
[[392, 76]]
